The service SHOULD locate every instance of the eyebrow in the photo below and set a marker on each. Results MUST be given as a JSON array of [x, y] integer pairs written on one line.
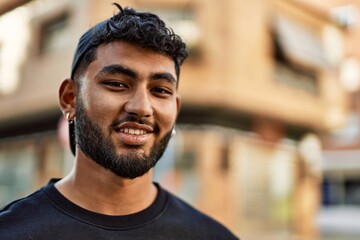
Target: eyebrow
[[163, 75], [119, 69]]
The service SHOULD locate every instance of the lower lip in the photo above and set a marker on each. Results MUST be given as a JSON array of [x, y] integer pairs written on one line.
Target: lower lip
[[132, 139]]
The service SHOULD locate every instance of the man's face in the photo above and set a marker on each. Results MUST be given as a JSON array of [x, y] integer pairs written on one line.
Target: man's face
[[126, 107]]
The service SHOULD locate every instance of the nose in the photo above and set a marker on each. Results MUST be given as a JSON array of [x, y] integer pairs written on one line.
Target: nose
[[139, 104]]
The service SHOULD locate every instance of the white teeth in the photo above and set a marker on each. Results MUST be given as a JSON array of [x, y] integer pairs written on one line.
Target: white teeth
[[133, 131]]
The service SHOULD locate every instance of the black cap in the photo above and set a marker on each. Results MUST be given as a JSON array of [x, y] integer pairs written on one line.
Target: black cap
[[86, 42]]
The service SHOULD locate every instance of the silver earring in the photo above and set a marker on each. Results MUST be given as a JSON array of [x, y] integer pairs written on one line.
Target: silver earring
[[67, 116], [173, 132]]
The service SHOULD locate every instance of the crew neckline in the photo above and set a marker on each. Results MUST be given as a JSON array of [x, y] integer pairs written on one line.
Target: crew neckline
[[123, 222]]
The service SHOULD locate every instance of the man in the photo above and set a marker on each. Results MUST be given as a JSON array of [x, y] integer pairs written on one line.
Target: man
[[121, 103]]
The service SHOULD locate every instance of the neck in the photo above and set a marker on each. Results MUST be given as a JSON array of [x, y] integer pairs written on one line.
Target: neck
[[96, 189]]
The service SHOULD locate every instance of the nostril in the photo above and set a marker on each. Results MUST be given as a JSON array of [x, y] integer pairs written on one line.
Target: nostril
[[134, 114], [138, 109], [131, 113]]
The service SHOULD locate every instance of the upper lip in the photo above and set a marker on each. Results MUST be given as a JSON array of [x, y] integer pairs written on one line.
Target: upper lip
[[134, 125]]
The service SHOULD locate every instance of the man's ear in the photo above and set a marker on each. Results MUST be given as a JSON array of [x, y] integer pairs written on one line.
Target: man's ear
[[67, 98]]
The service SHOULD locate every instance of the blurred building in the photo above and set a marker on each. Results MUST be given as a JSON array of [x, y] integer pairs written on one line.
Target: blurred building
[[260, 89], [339, 215]]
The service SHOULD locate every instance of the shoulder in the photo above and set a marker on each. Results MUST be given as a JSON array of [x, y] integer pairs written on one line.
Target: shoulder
[[32, 202], [191, 218], [22, 215], [21, 205]]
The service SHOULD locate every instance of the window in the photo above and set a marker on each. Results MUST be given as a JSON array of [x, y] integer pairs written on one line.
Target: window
[[53, 33], [293, 74], [182, 21], [337, 192], [17, 168], [298, 55], [14, 39], [28, 162]]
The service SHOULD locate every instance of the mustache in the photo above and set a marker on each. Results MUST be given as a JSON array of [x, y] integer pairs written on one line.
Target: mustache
[[131, 118]]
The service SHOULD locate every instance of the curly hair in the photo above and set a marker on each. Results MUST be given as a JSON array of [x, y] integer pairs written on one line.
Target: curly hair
[[144, 29]]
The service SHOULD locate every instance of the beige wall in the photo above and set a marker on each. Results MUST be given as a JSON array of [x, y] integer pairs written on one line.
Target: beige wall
[[235, 68]]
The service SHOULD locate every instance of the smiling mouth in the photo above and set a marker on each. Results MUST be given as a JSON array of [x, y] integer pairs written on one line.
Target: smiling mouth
[[134, 134], [134, 128], [133, 131]]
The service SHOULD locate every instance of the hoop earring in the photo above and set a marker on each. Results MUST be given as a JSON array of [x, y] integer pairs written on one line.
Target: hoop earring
[[67, 116]]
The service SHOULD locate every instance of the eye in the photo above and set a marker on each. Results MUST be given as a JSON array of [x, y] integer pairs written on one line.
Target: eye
[[162, 91], [115, 84]]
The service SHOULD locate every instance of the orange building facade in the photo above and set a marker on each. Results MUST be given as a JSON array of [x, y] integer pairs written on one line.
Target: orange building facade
[[259, 90]]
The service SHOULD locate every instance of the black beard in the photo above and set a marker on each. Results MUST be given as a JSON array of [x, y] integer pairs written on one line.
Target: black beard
[[93, 143]]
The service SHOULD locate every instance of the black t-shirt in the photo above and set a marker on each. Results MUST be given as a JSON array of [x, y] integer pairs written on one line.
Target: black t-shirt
[[46, 214]]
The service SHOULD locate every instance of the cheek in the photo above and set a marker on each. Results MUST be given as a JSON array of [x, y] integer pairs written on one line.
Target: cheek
[[167, 115], [98, 106]]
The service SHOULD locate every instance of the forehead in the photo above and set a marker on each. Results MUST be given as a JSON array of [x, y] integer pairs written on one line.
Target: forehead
[[143, 61]]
